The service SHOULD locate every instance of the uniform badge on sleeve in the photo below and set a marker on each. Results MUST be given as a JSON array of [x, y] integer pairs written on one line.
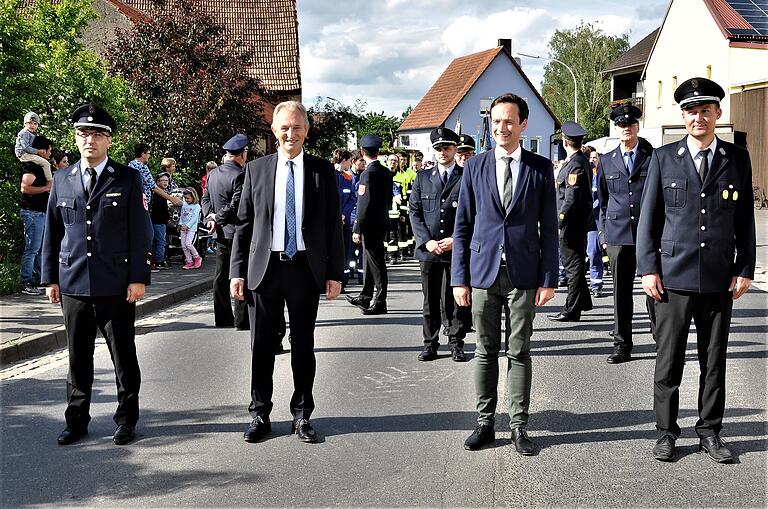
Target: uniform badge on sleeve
[[361, 190], [572, 177]]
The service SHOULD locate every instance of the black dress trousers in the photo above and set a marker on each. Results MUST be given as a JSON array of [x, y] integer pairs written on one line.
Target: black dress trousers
[[439, 304], [711, 312], [623, 268], [115, 318], [285, 283], [573, 251], [222, 302], [375, 269]]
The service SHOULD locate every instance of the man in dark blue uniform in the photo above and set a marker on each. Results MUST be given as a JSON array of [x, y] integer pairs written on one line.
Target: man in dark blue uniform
[[342, 161], [95, 264], [621, 175], [574, 204], [219, 203], [465, 149], [433, 205], [696, 253], [374, 199]]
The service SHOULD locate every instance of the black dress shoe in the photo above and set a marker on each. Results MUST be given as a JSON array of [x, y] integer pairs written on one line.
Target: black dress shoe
[[359, 301], [258, 429], [562, 283], [664, 450], [124, 434], [560, 317], [523, 444], [458, 355], [71, 434], [618, 356], [482, 436], [598, 294], [304, 430], [715, 448], [428, 354], [378, 308]]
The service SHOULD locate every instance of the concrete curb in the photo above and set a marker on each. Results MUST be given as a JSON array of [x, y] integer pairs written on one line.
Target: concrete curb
[[43, 342]]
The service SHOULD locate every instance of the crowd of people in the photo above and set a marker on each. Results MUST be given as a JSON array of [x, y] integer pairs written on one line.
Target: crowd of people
[[491, 231]]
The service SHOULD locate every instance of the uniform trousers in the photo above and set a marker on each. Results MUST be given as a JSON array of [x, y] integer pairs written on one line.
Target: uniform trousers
[[573, 253], [349, 253], [222, 302], [439, 304], [115, 318], [375, 269], [288, 283], [623, 268], [519, 307], [711, 313]]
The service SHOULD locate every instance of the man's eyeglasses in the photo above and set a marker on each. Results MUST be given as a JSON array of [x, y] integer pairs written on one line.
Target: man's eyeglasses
[[99, 135]]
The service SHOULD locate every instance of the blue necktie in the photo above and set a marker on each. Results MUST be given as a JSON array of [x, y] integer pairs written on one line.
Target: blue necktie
[[630, 161], [290, 214]]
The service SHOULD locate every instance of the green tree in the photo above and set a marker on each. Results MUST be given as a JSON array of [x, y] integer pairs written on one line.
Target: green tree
[[587, 51], [191, 77], [380, 124], [44, 68], [330, 122]]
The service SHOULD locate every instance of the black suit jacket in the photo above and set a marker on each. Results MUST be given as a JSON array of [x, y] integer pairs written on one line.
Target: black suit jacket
[[222, 197], [574, 196], [433, 210], [374, 200], [321, 226], [696, 235], [96, 247]]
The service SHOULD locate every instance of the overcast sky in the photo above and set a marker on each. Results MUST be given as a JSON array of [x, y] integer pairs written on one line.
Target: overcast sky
[[390, 52]]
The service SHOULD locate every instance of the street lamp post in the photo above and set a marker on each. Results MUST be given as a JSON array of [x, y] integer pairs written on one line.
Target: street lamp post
[[575, 89]]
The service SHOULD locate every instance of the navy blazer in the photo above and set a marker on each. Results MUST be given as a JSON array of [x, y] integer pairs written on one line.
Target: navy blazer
[[96, 247], [433, 210], [526, 233], [222, 197], [620, 194], [375, 190], [697, 236], [574, 196], [321, 225]]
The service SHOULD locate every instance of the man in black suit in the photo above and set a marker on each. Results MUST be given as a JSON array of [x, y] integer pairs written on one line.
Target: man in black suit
[[574, 203], [696, 253], [220, 201], [95, 264], [287, 248], [371, 225], [433, 206], [621, 175]]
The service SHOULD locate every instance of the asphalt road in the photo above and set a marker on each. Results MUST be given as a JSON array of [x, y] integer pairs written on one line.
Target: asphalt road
[[392, 427]]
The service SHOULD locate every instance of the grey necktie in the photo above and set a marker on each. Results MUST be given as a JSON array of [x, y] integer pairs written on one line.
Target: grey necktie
[[91, 181], [507, 198], [704, 166], [630, 161]]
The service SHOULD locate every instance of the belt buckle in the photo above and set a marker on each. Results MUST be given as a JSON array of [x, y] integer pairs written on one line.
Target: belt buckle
[[284, 257]]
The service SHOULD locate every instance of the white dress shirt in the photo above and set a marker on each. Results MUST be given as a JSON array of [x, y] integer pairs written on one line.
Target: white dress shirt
[[278, 218], [84, 174], [514, 165], [694, 151]]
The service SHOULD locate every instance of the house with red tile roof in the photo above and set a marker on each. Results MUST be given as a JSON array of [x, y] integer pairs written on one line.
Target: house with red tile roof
[[467, 86]]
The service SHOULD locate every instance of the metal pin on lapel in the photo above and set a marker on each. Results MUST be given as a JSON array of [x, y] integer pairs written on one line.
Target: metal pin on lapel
[[681, 151]]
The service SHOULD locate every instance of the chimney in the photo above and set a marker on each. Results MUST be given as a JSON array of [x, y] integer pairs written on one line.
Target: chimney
[[506, 44]]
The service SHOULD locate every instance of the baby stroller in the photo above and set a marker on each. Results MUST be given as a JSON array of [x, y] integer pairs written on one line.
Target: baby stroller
[[172, 238]]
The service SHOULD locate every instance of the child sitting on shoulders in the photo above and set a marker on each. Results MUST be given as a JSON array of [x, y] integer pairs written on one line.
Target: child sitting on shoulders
[[188, 219], [24, 149]]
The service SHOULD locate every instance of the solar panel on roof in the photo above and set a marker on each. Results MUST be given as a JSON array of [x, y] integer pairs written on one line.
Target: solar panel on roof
[[754, 12]]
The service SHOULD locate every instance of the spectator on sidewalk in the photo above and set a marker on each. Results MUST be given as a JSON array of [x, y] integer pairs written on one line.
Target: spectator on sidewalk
[[188, 220], [24, 149], [168, 165], [34, 200], [60, 159], [161, 216]]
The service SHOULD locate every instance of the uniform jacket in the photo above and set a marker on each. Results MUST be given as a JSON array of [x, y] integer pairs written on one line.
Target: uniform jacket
[[347, 196], [620, 194], [374, 199], [526, 233], [222, 196], [574, 195], [321, 226], [433, 210], [96, 248], [697, 236]]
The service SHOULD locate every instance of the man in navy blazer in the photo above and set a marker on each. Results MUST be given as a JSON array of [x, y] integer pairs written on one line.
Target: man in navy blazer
[[95, 264], [505, 256], [287, 249]]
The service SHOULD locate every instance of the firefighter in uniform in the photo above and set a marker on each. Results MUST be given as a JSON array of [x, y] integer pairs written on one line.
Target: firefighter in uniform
[[95, 264], [374, 200], [398, 197], [696, 254], [621, 175], [433, 211], [574, 204], [465, 149]]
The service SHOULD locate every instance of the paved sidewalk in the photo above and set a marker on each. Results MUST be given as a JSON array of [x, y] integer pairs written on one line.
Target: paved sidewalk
[[30, 325]]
